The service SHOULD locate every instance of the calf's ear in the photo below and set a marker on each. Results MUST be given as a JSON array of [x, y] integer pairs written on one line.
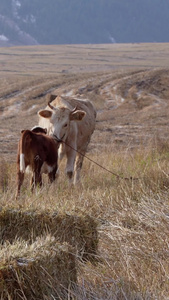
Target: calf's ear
[[77, 115], [45, 113]]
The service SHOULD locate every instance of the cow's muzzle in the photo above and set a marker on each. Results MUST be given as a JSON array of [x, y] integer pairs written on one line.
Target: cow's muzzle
[[57, 139]]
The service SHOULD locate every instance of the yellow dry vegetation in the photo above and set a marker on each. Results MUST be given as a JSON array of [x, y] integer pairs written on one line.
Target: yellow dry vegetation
[[121, 218]]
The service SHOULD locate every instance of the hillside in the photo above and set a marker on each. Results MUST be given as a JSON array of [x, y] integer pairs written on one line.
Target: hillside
[[131, 99], [83, 22]]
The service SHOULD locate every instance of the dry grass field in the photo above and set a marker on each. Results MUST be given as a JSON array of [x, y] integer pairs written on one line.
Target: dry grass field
[[120, 225]]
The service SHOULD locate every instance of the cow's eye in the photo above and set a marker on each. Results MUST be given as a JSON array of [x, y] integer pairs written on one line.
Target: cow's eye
[[65, 125]]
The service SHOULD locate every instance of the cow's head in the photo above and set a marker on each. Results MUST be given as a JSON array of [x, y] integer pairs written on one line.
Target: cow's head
[[60, 118]]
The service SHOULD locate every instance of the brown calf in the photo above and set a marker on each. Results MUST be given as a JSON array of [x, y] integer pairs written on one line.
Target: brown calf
[[39, 153]]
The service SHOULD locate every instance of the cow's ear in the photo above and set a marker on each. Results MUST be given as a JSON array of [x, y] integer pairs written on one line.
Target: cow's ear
[[45, 113], [77, 115]]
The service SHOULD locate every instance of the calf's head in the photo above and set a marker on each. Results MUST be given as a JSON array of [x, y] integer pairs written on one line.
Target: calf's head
[[38, 129]]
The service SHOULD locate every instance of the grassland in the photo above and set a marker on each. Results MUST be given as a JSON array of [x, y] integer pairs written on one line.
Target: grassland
[[129, 86]]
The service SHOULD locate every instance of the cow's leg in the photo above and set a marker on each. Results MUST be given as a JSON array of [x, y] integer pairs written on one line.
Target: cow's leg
[[20, 178], [78, 167], [71, 155], [61, 153], [79, 161]]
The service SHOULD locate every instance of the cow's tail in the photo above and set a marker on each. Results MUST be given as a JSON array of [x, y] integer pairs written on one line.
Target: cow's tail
[[24, 139]]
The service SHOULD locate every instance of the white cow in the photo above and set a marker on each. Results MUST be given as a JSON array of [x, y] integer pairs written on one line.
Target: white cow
[[73, 122]]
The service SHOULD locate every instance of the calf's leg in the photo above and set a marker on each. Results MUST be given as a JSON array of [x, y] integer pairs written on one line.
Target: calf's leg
[[52, 175], [37, 177], [20, 179], [36, 180]]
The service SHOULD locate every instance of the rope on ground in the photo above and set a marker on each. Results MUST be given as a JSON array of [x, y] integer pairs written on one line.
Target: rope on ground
[[111, 172]]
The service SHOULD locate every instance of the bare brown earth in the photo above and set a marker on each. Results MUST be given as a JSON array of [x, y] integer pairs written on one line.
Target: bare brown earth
[[128, 84]]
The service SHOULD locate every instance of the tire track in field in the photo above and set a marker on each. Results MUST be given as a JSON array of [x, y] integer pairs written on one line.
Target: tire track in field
[[132, 107]]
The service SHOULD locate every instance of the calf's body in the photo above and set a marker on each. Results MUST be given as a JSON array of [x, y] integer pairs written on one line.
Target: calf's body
[[39, 152]]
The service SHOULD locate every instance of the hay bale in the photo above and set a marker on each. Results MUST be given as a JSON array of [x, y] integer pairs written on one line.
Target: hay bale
[[44, 270], [78, 231]]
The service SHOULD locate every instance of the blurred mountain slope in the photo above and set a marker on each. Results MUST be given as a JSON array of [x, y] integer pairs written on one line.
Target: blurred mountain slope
[[24, 22]]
